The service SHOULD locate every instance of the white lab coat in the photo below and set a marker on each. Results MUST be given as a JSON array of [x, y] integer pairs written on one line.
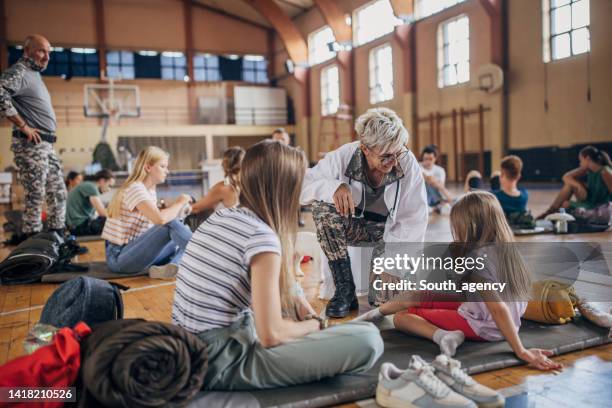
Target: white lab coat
[[407, 220]]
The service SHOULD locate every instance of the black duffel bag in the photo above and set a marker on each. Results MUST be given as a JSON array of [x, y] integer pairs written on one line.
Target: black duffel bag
[[35, 257]]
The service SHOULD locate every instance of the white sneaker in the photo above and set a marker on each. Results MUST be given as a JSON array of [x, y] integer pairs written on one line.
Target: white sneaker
[[417, 386], [449, 370], [167, 271]]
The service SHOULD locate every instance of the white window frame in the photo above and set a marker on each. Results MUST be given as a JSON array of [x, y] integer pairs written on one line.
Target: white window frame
[[377, 87], [173, 66], [315, 56], [442, 54], [390, 25], [575, 28], [330, 95], [206, 68], [426, 8], [255, 67]]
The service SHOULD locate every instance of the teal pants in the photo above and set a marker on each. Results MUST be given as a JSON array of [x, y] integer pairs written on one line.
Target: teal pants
[[237, 361]]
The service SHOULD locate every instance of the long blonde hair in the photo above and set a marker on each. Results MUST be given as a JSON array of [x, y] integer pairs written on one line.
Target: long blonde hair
[[270, 185], [147, 157], [477, 220]]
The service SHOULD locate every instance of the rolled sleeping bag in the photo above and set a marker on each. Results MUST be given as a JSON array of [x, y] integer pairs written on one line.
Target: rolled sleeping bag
[[83, 299], [31, 259], [134, 363]]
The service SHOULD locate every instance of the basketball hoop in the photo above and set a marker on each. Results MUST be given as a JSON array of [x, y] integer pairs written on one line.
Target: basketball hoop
[[109, 101], [114, 114]]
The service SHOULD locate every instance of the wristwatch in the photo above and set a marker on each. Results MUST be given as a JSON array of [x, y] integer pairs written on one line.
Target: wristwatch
[[323, 321]]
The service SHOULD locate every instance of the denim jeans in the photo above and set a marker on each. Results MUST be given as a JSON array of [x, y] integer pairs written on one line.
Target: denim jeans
[[433, 196], [159, 245]]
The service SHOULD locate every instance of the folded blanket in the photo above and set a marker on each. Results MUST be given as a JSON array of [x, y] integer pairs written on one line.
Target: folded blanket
[[135, 363], [31, 259]]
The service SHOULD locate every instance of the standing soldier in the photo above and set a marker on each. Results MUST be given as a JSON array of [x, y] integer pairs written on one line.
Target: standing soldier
[[25, 101]]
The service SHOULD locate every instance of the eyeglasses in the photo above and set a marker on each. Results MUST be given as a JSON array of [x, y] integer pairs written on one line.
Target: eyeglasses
[[392, 157]]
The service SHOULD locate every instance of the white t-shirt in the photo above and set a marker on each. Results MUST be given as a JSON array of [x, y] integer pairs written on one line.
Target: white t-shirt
[[436, 172]]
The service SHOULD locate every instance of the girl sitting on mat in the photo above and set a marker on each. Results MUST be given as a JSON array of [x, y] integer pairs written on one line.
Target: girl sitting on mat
[[236, 288], [590, 183], [138, 235], [479, 229], [225, 193]]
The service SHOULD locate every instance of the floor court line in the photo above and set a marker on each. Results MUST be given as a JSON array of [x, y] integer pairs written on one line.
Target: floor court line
[[27, 309]]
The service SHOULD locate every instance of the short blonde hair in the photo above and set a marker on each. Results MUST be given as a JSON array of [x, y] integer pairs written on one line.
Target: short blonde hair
[[381, 128]]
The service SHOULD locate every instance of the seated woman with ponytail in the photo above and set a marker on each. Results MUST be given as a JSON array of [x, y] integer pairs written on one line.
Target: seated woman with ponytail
[[138, 235], [225, 193], [590, 183], [236, 288]]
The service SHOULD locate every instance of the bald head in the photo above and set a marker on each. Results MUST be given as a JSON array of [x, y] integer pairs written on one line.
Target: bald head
[[38, 48]]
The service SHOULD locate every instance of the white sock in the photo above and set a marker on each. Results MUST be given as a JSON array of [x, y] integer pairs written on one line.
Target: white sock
[[448, 340], [374, 316]]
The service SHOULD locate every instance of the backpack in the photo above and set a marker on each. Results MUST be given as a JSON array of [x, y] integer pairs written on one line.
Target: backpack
[[552, 302], [103, 154], [521, 220], [84, 299]]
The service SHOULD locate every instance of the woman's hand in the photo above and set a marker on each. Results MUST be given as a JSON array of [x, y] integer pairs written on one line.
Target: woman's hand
[[343, 199], [304, 308], [538, 358], [184, 199]]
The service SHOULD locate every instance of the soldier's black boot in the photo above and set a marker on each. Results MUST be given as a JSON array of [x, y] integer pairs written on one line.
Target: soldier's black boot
[[344, 299]]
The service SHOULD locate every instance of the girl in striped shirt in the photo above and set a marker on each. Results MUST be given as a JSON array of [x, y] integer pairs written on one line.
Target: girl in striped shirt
[[236, 288], [138, 235]]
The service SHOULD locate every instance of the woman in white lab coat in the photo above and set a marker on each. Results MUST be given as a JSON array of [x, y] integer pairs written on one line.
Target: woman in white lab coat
[[371, 190]]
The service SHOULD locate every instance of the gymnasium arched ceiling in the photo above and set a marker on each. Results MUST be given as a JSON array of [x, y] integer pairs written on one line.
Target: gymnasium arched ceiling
[[242, 8]]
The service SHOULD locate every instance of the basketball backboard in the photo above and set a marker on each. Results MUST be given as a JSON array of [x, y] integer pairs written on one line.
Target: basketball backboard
[[111, 101]]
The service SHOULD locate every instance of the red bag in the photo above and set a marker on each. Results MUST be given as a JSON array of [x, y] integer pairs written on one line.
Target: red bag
[[55, 365]]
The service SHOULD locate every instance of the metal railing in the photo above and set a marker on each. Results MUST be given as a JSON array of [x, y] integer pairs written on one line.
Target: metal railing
[[261, 116], [73, 115]]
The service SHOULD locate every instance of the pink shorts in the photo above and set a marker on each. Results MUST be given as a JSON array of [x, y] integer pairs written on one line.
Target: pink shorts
[[445, 316]]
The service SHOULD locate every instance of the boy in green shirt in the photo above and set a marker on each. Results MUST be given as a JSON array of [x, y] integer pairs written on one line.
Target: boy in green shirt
[[84, 201]]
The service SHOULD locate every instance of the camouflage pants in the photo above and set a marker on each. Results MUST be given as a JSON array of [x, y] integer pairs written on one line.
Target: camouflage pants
[[335, 233], [40, 172]]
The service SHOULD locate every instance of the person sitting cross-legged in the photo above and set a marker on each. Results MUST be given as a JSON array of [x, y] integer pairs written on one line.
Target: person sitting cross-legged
[[84, 202], [590, 184], [138, 235], [435, 179]]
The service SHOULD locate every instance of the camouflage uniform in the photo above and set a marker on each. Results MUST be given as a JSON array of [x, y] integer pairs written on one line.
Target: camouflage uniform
[[335, 232], [23, 92], [40, 172]]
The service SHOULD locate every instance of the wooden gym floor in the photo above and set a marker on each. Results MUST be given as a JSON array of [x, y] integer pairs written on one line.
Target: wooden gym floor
[[21, 305]]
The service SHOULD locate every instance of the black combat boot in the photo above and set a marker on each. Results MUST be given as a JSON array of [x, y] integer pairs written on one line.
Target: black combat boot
[[344, 299]]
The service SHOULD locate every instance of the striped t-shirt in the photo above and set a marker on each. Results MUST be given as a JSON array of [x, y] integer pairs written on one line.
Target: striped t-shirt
[[213, 286], [130, 223]]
